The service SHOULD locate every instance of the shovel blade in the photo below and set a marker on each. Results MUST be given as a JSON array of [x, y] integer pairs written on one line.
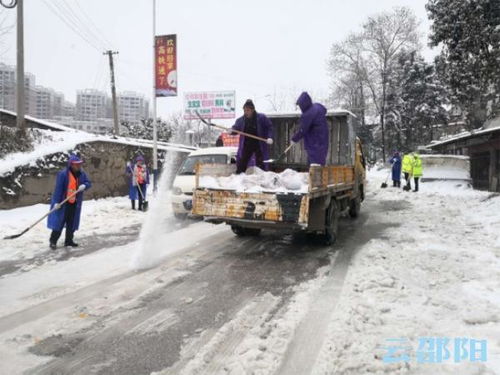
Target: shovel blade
[[11, 237]]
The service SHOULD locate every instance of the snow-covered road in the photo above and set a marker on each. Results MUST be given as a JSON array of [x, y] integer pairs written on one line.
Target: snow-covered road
[[412, 265]]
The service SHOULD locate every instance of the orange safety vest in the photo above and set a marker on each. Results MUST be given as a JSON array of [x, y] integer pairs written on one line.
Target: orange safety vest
[[139, 176], [72, 187]]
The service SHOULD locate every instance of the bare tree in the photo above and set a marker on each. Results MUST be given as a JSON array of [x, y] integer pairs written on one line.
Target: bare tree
[[5, 29], [349, 75], [367, 58], [385, 36]]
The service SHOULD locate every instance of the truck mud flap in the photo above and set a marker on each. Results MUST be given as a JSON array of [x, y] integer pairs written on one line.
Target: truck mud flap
[[290, 206]]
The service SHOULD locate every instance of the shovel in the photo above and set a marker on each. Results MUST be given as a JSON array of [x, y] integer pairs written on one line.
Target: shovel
[[43, 217], [232, 130], [407, 187], [281, 156], [145, 203], [384, 184]]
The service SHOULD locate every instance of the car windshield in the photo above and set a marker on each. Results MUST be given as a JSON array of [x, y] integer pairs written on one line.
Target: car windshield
[[188, 166]]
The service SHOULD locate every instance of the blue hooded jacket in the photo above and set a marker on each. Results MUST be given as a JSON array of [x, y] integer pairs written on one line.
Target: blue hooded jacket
[[313, 128], [396, 166], [55, 220]]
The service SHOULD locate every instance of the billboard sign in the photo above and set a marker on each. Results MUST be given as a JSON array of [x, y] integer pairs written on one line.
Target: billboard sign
[[210, 105]]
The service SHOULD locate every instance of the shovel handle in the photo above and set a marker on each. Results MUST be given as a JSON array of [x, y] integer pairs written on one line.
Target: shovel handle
[[230, 129]]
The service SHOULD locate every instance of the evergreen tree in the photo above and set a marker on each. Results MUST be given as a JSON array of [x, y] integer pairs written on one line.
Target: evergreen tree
[[469, 33], [416, 103]]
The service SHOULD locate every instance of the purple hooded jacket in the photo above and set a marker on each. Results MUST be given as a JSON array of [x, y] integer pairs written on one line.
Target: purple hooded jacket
[[55, 220], [313, 128], [264, 130]]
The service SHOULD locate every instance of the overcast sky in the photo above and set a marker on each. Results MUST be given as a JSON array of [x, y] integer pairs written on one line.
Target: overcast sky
[[256, 47]]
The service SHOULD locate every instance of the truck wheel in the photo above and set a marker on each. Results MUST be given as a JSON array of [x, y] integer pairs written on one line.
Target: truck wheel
[[354, 207], [331, 223], [239, 231], [180, 216], [252, 231]]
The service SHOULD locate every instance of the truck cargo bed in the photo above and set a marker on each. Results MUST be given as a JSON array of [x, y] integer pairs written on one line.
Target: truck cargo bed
[[287, 208]]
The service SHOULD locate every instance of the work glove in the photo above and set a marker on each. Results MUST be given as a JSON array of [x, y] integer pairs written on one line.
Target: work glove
[[57, 206], [81, 187], [269, 141]]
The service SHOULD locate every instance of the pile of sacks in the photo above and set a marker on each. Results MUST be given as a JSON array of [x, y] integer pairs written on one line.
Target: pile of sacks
[[288, 181]]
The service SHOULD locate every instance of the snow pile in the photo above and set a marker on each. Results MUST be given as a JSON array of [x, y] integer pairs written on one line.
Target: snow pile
[[432, 271], [260, 181], [446, 174], [109, 217]]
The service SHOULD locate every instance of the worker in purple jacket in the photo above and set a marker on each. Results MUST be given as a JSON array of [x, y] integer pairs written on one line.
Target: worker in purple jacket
[[256, 124], [313, 127]]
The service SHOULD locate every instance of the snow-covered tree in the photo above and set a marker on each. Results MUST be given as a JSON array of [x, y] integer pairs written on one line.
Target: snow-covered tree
[[144, 130], [415, 103], [469, 33]]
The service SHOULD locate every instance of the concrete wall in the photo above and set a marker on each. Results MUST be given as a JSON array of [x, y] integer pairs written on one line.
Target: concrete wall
[[104, 164], [484, 153]]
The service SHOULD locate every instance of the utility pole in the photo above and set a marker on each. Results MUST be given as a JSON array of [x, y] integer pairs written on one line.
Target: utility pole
[[113, 91], [20, 109]]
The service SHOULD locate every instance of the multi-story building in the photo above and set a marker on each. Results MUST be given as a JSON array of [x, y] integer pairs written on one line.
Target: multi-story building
[[68, 109], [91, 104], [132, 107], [48, 103], [8, 90]]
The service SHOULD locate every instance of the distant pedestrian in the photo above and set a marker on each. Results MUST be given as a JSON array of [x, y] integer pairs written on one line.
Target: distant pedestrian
[[417, 169], [141, 180], [219, 142], [396, 169], [132, 190], [408, 170], [313, 127], [71, 182]]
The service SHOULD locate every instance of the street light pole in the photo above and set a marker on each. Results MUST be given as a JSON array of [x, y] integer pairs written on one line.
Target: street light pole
[[155, 136], [20, 109]]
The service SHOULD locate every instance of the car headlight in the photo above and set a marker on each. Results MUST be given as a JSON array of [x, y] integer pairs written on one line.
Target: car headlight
[[176, 190]]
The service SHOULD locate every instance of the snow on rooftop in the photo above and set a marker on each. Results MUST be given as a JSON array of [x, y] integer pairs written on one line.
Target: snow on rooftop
[[490, 126]]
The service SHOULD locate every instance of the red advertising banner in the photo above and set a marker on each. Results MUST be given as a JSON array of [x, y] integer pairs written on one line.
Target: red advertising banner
[[166, 65]]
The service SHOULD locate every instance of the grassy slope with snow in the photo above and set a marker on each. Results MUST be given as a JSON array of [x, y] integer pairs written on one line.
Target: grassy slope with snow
[[50, 142]]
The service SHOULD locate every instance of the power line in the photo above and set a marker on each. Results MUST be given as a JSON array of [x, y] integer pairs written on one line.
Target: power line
[[89, 30], [99, 32], [73, 19], [67, 23]]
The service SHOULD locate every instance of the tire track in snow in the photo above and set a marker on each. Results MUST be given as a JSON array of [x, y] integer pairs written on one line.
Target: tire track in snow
[[89, 292]]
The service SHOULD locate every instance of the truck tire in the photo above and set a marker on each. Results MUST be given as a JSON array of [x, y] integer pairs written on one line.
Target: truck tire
[[332, 218], [354, 207], [254, 232], [180, 216], [239, 231]]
